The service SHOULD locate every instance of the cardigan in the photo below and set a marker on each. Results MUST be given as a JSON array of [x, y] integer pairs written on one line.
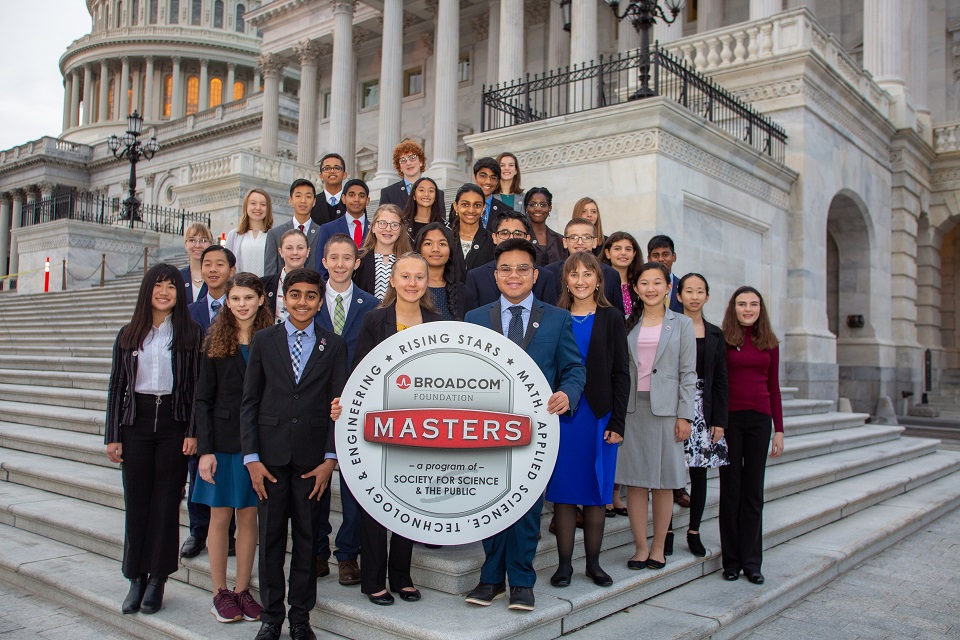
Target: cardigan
[[715, 384], [608, 368]]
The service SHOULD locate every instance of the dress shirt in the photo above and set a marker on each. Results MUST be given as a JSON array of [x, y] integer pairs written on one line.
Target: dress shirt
[[327, 195], [306, 226], [281, 307], [155, 362], [222, 300], [408, 186], [330, 300], [506, 315]]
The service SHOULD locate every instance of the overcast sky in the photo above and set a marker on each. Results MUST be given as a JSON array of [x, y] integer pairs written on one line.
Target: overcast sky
[[35, 35]]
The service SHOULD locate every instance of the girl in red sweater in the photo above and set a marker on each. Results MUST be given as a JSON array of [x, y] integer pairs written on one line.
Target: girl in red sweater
[[753, 362]]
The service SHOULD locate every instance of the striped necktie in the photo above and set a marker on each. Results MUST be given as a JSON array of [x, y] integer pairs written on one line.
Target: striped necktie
[[297, 354], [339, 316]]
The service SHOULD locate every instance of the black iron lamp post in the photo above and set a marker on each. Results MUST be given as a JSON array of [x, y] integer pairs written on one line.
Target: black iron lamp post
[[643, 15], [134, 150]]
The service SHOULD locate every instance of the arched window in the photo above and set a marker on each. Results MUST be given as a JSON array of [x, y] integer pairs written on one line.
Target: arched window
[[154, 11], [174, 17], [134, 12], [167, 95], [119, 14], [216, 92], [218, 14], [193, 94], [196, 10], [241, 26], [239, 90]]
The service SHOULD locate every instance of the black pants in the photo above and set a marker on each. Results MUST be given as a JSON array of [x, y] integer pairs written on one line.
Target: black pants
[[153, 471], [287, 502], [373, 567], [741, 491]]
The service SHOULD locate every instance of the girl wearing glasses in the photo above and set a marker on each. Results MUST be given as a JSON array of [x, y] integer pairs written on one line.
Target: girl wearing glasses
[[475, 243], [446, 284], [423, 207], [538, 202], [196, 238], [588, 209], [387, 239]]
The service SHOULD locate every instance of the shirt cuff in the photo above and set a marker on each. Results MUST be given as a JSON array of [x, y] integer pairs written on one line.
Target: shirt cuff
[[251, 457], [330, 456]]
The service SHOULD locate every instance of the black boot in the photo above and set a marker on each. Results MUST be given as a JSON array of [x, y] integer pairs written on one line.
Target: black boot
[[131, 604], [153, 597]]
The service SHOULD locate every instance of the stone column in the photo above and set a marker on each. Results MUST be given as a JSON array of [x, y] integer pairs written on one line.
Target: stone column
[[104, 108], [231, 79], [343, 119], [204, 101], [512, 43], [916, 12], [15, 215], [309, 53], [558, 40], [148, 107], [176, 97], [760, 9], [87, 94], [135, 105], [444, 167], [391, 91], [124, 85], [883, 46], [5, 212], [272, 66], [67, 93], [255, 85], [628, 38], [665, 33], [709, 15], [493, 43], [75, 98], [583, 32]]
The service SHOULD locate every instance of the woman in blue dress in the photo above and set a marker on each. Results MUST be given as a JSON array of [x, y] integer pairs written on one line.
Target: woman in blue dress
[[589, 437]]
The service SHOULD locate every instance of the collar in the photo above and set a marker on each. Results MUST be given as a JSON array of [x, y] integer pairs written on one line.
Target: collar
[[332, 294], [222, 299], [327, 195], [526, 303], [311, 329]]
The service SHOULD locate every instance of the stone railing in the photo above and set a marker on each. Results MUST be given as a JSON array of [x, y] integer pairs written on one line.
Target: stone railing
[[171, 33], [786, 33], [47, 146], [946, 137], [249, 164]]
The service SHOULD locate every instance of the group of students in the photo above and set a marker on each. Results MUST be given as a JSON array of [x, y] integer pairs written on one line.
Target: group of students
[[234, 367]]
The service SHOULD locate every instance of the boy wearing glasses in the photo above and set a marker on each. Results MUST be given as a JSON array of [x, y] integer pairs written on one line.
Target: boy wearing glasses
[[329, 205], [410, 162], [546, 334], [303, 195], [580, 235], [354, 223]]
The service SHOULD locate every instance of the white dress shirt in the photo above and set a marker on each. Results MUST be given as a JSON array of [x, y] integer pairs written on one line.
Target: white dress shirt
[[330, 299], [155, 362]]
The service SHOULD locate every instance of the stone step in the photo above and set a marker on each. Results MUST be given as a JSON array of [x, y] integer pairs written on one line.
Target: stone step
[[8, 347], [55, 363], [55, 396], [41, 415], [806, 407], [814, 423], [62, 379], [788, 393], [26, 327], [107, 301], [74, 446], [65, 339]]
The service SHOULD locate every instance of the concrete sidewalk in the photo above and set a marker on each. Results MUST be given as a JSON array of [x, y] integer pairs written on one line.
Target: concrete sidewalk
[[25, 616]]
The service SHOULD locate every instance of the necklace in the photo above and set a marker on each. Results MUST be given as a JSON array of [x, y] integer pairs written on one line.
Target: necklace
[[198, 280], [582, 319]]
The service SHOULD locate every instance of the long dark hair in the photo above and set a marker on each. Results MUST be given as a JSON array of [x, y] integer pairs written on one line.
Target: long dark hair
[[619, 236], [588, 261], [184, 328], [455, 219], [762, 335], [410, 210], [454, 271], [223, 336], [635, 316]]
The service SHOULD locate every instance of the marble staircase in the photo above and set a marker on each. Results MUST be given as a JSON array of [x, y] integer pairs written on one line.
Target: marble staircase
[[842, 491]]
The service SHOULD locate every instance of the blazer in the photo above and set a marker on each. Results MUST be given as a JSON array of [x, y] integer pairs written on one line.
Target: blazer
[[270, 284], [481, 252], [217, 403], [365, 275], [360, 305], [396, 193], [272, 262], [340, 225], [549, 340], [378, 325], [675, 305], [188, 283], [200, 313], [611, 282], [121, 391], [553, 250], [464, 301], [282, 420], [608, 368], [673, 381], [324, 212], [482, 285], [715, 381]]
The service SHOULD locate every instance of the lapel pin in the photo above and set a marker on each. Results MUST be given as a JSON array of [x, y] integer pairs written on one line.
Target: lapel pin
[[476, 246], [359, 300], [536, 325], [667, 327]]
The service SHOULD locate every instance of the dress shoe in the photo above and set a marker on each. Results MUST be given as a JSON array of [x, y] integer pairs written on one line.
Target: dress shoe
[[384, 599], [153, 596], [637, 564], [268, 631], [323, 568], [484, 593], [131, 604], [668, 544], [696, 546], [562, 576], [408, 595], [682, 498], [349, 573], [656, 565], [610, 513], [600, 577], [731, 576], [521, 599], [621, 511], [192, 547], [755, 577], [302, 631]]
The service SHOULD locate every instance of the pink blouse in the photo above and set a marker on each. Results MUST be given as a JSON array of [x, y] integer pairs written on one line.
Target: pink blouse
[[647, 340]]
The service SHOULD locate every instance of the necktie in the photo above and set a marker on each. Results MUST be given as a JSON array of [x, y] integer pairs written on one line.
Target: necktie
[[515, 330], [301, 228], [408, 188], [339, 316], [333, 201], [215, 309], [357, 233], [297, 353], [486, 215]]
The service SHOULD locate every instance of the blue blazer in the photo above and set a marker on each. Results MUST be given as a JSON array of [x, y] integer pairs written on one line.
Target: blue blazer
[[200, 312], [188, 283], [549, 340], [482, 285], [360, 304], [340, 225]]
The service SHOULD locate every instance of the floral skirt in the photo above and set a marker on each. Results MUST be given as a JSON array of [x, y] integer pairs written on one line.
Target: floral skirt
[[699, 449]]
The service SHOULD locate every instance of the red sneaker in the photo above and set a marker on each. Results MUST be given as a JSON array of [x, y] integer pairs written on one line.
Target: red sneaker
[[225, 608], [248, 605]]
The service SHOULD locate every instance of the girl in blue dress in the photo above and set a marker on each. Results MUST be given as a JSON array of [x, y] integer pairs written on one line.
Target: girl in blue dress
[[589, 437]]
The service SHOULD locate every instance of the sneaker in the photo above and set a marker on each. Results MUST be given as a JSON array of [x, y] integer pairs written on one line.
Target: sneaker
[[225, 608], [483, 594], [521, 599], [248, 605]]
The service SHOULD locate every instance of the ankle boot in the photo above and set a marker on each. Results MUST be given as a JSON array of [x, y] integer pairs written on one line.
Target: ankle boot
[[153, 596], [131, 604]]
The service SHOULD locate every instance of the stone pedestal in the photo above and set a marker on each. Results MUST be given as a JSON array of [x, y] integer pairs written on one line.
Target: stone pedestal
[[82, 244]]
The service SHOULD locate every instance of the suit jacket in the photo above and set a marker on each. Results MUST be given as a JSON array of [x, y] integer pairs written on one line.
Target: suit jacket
[[188, 283], [377, 326], [481, 252], [673, 381], [396, 193], [272, 262], [217, 403], [553, 250], [715, 381], [324, 212], [200, 313], [611, 282], [270, 284], [343, 225], [549, 340], [365, 275], [675, 305], [608, 367], [360, 305], [482, 285], [284, 421]]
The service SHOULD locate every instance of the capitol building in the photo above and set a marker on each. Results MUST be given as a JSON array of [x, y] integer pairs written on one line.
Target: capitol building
[[810, 148]]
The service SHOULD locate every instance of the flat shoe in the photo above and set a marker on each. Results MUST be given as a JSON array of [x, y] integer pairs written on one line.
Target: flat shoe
[[655, 565], [731, 576], [601, 579], [409, 596], [637, 564], [610, 513], [755, 578], [384, 599], [620, 511], [562, 577]]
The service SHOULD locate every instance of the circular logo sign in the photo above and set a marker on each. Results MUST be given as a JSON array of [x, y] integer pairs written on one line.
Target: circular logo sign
[[445, 436]]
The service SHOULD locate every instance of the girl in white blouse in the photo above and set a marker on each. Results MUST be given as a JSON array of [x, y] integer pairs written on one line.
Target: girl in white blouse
[[249, 240]]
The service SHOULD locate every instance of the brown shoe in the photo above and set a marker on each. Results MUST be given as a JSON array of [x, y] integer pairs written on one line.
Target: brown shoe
[[349, 573], [323, 568], [682, 498]]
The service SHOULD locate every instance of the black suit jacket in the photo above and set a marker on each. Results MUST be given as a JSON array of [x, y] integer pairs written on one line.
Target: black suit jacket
[[396, 193], [284, 421], [365, 275], [482, 285], [715, 382], [482, 250], [611, 282], [324, 212], [377, 326], [217, 403], [608, 367], [270, 284]]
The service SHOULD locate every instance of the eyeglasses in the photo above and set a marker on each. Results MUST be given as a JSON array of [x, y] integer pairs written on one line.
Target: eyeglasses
[[196, 241], [580, 239], [503, 234], [410, 158], [328, 168], [383, 224], [522, 270], [538, 205]]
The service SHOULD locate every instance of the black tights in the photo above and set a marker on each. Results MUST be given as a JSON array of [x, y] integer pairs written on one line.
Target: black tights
[[698, 497], [565, 520]]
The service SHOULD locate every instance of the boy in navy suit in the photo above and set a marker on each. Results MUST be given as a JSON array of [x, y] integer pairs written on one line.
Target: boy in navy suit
[[354, 224], [546, 334], [295, 371]]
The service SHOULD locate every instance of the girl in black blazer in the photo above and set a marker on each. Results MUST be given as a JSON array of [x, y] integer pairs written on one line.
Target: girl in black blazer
[[706, 447], [404, 305], [149, 429], [475, 243], [387, 240], [589, 437], [224, 483], [425, 205], [447, 282]]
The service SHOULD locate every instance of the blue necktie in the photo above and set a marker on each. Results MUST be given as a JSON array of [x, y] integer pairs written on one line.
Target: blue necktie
[[297, 353], [333, 201], [215, 307], [515, 330], [408, 188]]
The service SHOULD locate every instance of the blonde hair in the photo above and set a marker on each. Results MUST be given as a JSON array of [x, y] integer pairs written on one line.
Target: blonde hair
[[244, 225], [402, 244], [198, 229], [578, 213], [390, 297]]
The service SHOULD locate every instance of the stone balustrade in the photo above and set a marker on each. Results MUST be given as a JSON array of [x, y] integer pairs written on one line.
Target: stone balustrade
[[47, 146], [946, 137], [249, 164], [169, 33]]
